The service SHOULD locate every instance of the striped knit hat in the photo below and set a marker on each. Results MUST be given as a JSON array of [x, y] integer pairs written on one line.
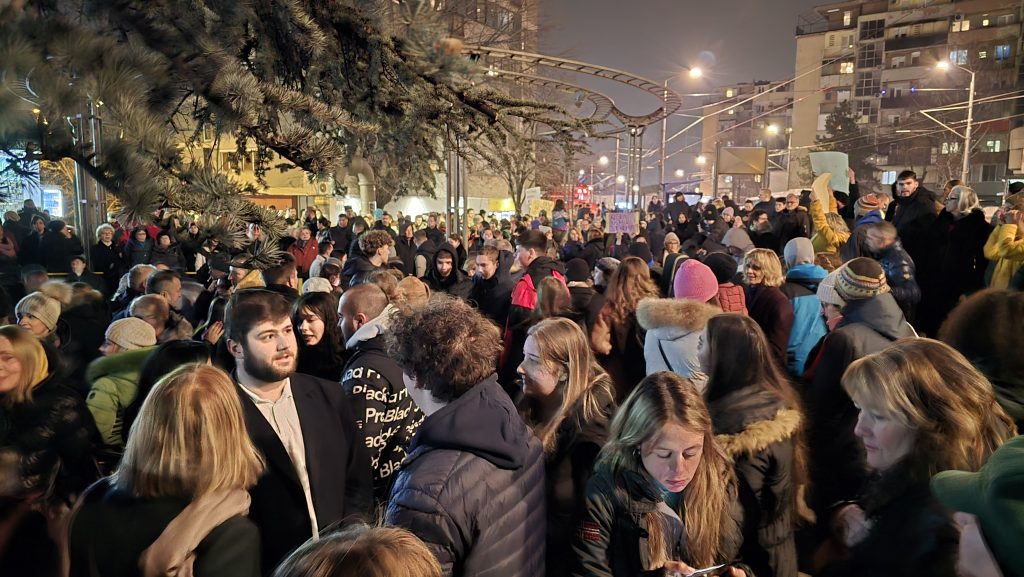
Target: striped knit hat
[[861, 278], [866, 204]]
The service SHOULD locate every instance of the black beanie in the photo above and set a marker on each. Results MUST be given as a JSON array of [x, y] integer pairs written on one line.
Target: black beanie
[[723, 265], [641, 250], [577, 270]]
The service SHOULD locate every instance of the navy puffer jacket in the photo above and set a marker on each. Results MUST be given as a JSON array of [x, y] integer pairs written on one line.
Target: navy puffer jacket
[[472, 488]]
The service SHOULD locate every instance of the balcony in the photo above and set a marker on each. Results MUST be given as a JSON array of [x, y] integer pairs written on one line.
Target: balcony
[[910, 42]]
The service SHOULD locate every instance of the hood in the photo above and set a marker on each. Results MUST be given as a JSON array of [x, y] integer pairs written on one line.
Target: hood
[[455, 276], [873, 217], [505, 260], [370, 330], [684, 314], [542, 267], [483, 421], [127, 362], [803, 273], [881, 313], [739, 239]]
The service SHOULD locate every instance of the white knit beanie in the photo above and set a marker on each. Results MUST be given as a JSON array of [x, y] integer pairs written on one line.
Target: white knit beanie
[[827, 290], [42, 307], [316, 285], [131, 333]]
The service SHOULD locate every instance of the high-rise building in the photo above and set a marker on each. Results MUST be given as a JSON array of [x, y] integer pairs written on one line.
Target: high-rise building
[[752, 114], [881, 57]]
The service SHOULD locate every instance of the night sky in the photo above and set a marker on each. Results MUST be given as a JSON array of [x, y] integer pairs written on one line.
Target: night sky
[[731, 40]]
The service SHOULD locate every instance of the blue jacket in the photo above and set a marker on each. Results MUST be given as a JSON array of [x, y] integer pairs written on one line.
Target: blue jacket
[[808, 325]]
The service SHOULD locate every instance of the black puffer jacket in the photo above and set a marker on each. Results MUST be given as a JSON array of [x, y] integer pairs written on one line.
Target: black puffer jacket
[[913, 217], [901, 275], [836, 457], [592, 252], [472, 488], [406, 250], [759, 433], [611, 536], [52, 437]]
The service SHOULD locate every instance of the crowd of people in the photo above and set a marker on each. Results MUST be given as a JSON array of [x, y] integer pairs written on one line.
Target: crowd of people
[[826, 383]]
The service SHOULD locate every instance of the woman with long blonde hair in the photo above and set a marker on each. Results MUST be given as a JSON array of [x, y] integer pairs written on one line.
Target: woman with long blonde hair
[[180, 494], [617, 337], [568, 402], [662, 497], [923, 409]]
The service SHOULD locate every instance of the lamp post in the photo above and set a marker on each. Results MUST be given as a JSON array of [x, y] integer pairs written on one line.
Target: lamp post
[[965, 169], [694, 73]]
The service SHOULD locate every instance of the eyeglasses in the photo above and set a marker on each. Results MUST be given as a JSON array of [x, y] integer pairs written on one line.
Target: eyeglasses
[[953, 198]]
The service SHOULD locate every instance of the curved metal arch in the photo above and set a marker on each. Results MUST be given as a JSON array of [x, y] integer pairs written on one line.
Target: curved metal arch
[[671, 101], [603, 105]]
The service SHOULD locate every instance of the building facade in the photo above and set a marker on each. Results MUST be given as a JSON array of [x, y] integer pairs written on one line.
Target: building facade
[[881, 56]]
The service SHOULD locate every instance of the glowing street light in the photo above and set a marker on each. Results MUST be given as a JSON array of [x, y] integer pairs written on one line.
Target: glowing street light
[[702, 160], [620, 179], [603, 161], [679, 173], [696, 72], [965, 169], [773, 129]]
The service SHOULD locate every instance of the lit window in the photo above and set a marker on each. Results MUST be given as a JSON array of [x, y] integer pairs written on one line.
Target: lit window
[[846, 68], [985, 22], [888, 177], [847, 18], [1003, 52], [994, 145], [729, 93], [958, 56], [983, 54]]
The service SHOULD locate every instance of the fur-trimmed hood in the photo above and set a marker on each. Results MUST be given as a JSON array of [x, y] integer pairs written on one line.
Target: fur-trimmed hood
[[751, 419], [760, 435], [688, 315]]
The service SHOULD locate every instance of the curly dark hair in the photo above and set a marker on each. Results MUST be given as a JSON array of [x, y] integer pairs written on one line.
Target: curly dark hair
[[446, 345], [373, 240]]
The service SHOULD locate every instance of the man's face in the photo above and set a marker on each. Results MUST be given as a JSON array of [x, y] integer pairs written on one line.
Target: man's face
[[386, 219], [431, 222], [343, 221], [172, 292], [407, 233], [749, 205], [140, 236], [30, 204], [485, 266], [444, 265], [165, 241], [269, 351], [762, 219], [780, 205], [304, 234], [349, 320], [78, 267], [792, 202], [236, 275], [525, 255], [906, 186]]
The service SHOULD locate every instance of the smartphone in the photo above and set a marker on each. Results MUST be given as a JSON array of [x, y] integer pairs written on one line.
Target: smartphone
[[710, 571]]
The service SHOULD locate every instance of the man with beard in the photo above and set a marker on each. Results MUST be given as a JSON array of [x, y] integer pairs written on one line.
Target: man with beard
[[317, 473]]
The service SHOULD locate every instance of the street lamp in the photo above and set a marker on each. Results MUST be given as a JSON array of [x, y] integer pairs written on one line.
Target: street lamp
[[679, 173], [701, 160], [773, 129], [965, 170], [694, 72], [603, 161]]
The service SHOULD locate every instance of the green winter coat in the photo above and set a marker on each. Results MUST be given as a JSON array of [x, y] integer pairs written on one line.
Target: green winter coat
[[113, 382]]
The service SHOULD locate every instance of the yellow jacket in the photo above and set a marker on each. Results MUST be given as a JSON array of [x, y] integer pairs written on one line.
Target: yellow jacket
[[825, 239], [1007, 252]]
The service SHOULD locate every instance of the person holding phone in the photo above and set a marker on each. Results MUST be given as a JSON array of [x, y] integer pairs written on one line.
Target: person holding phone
[[663, 499]]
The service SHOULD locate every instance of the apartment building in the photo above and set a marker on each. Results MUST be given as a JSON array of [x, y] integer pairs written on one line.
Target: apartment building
[[753, 114], [881, 56]]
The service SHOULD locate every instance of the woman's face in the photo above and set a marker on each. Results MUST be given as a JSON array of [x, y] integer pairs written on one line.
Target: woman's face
[[704, 351], [672, 456], [140, 236], [33, 325], [754, 274], [10, 367], [107, 235], [538, 379], [311, 327], [885, 439], [672, 246], [488, 234]]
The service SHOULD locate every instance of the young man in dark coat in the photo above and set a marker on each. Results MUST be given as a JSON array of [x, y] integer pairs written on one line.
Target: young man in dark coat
[[341, 235], [373, 253], [318, 473], [472, 487], [536, 267], [444, 274], [385, 414], [492, 285], [913, 213], [871, 322]]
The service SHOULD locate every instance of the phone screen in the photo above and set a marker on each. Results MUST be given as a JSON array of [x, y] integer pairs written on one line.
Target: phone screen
[[709, 571]]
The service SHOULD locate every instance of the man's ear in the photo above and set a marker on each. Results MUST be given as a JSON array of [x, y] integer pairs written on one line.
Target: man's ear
[[235, 348]]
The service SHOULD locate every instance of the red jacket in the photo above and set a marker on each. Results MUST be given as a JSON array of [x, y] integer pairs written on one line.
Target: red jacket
[[303, 257]]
